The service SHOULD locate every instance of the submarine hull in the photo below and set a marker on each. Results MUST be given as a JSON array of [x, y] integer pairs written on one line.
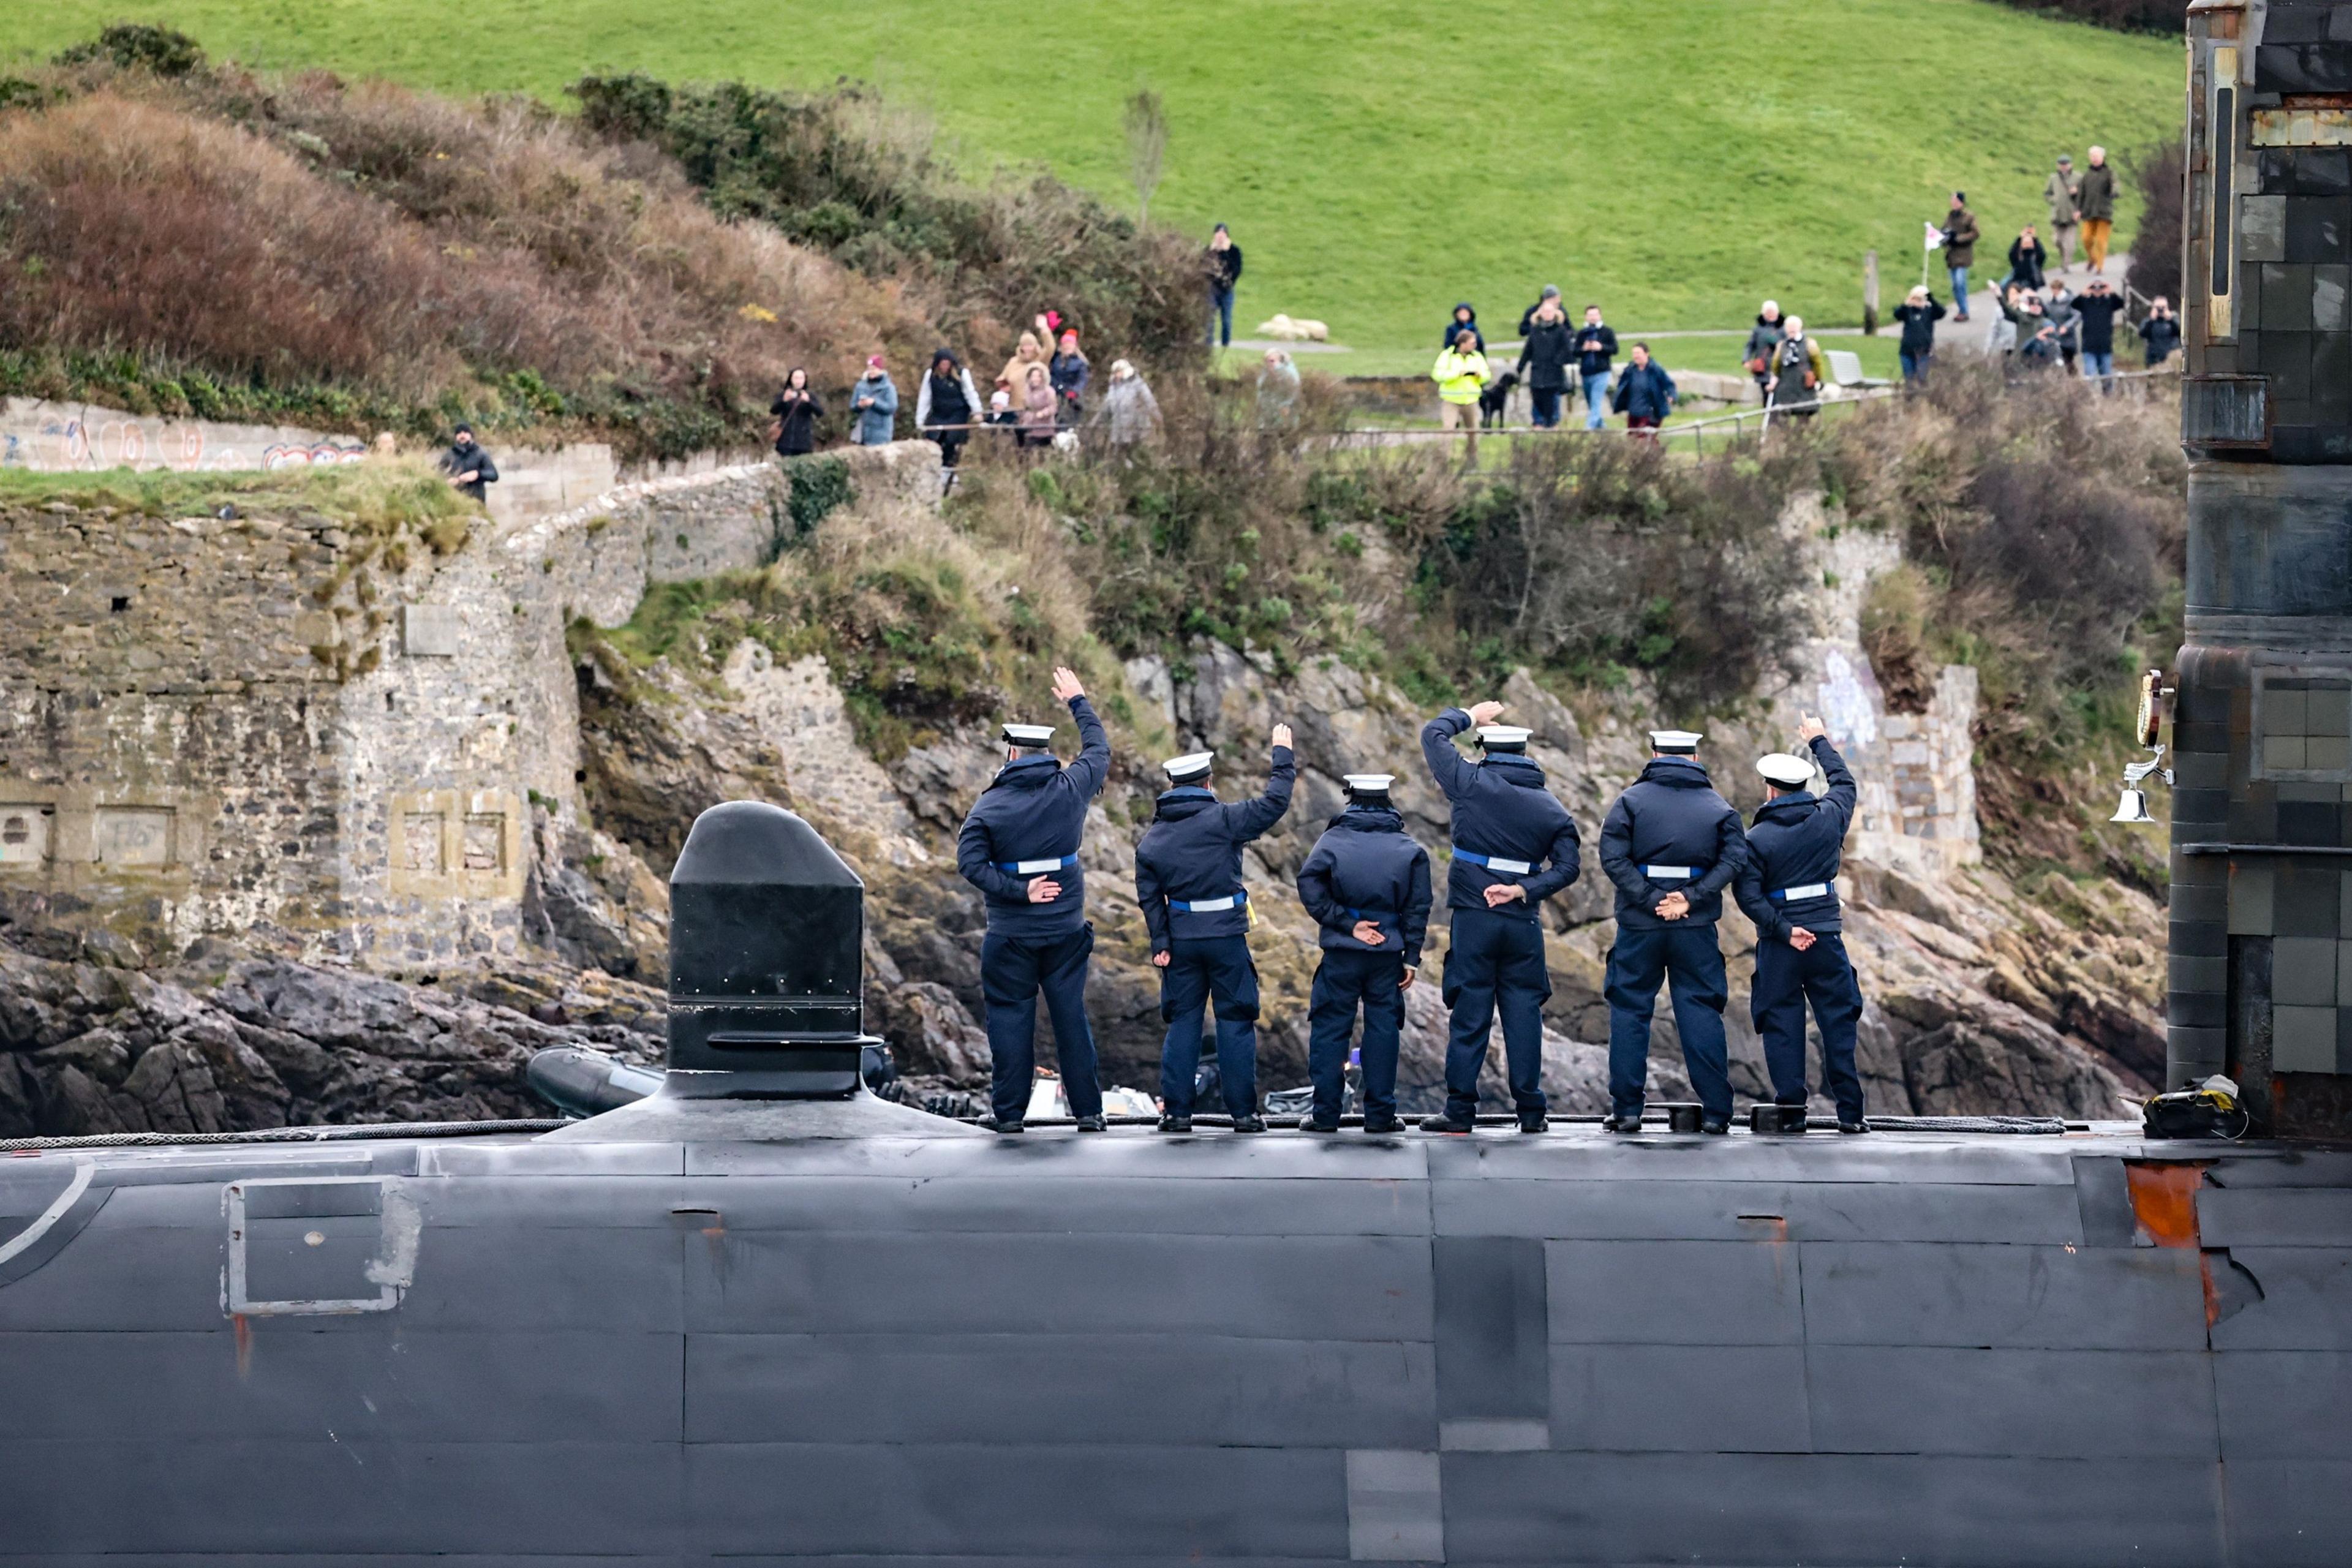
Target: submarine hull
[[631, 1344]]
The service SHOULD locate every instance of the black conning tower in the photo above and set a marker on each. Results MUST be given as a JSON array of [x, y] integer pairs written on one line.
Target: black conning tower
[[766, 976]]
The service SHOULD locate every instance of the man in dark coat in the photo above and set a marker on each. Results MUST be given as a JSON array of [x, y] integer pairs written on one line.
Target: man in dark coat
[[1596, 346], [1550, 295], [2096, 310], [1544, 360], [1671, 845], [1020, 849], [1514, 845], [2160, 331], [1919, 312], [1959, 251], [468, 466], [1366, 885], [1188, 878], [1789, 888]]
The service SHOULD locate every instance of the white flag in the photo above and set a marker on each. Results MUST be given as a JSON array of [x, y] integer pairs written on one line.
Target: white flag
[[1934, 236]]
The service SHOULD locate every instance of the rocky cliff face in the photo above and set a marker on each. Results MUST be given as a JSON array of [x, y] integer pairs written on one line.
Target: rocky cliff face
[[1986, 993]]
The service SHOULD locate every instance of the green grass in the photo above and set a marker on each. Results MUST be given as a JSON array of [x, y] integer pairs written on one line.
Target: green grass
[[374, 498], [1677, 159]]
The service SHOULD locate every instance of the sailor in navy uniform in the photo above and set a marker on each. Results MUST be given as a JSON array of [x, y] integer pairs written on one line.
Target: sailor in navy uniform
[[1514, 845], [1671, 845], [1367, 885], [1020, 847], [1789, 888], [1188, 878]]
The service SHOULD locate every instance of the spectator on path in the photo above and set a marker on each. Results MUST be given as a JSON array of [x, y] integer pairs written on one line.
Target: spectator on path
[[873, 406], [1029, 351], [1596, 346], [1463, 315], [1000, 412], [469, 468], [1919, 312], [1646, 393], [1038, 408], [1225, 267], [946, 406], [1278, 391], [1069, 372], [1798, 371], [2160, 331], [2001, 338], [1550, 295], [1460, 374], [1544, 360], [797, 412], [2098, 208], [1129, 414], [1959, 251], [1762, 339], [2059, 306], [2038, 347], [2096, 312], [2063, 192], [2026, 259]]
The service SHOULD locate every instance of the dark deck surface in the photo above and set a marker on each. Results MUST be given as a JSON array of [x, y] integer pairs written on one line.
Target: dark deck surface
[[680, 1333]]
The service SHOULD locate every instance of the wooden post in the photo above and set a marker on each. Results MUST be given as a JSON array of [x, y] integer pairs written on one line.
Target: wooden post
[[1870, 293]]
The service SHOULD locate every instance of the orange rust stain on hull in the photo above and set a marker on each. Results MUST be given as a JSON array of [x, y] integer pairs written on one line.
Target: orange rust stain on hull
[[244, 1329], [2164, 1201]]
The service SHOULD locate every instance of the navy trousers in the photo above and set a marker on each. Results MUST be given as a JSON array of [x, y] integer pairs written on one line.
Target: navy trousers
[[1012, 970], [1685, 954], [1341, 981], [1785, 981], [1201, 970], [1497, 961]]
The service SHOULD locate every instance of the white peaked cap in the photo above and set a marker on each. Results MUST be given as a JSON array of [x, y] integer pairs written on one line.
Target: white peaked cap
[[1192, 765], [1788, 772], [1493, 735], [1029, 734], [1673, 741], [1369, 783]]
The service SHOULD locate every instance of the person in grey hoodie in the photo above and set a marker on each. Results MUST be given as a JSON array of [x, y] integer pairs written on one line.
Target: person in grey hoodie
[[873, 406]]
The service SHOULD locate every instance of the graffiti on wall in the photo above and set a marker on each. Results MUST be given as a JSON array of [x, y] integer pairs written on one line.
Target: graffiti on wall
[[67, 443]]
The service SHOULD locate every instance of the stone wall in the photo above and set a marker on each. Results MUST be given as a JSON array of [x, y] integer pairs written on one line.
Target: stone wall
[[81, 437], [257, 727]]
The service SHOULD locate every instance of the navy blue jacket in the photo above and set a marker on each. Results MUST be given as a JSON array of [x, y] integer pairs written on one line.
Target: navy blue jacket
[[1645, 392], [1454, 328], [1366, 866], [1798, 841], [1671, 817], [1595, 347], [1035, 810], [1193, 851], [1501, 808]]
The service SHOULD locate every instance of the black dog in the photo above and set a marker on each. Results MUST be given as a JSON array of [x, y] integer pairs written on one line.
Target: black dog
[[1496, 397]]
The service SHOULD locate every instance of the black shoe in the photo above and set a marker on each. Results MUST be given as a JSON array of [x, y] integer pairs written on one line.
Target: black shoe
[[1249, 1123], [1859, 1124], [1094, 1123], [1442, 1122], [1714, 1126], [1621, 1124], [1376, 1125], [1317, 1124], [1533, 1121], [1173, 1123], [993, 1125]]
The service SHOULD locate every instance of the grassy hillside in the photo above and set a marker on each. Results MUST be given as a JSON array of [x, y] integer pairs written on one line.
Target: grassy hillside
[[1674, 158]]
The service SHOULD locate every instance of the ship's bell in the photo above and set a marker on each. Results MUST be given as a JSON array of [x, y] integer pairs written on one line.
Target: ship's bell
[[2133, 807]]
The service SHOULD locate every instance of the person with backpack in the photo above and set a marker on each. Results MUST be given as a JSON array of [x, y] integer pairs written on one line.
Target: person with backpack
[[1762, 339]]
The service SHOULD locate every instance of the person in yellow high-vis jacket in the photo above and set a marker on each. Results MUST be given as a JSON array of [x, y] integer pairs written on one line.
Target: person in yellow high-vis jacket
[[1461, 374]]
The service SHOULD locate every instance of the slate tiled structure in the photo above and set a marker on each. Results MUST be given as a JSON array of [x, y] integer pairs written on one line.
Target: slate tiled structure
[[2260, 982]]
